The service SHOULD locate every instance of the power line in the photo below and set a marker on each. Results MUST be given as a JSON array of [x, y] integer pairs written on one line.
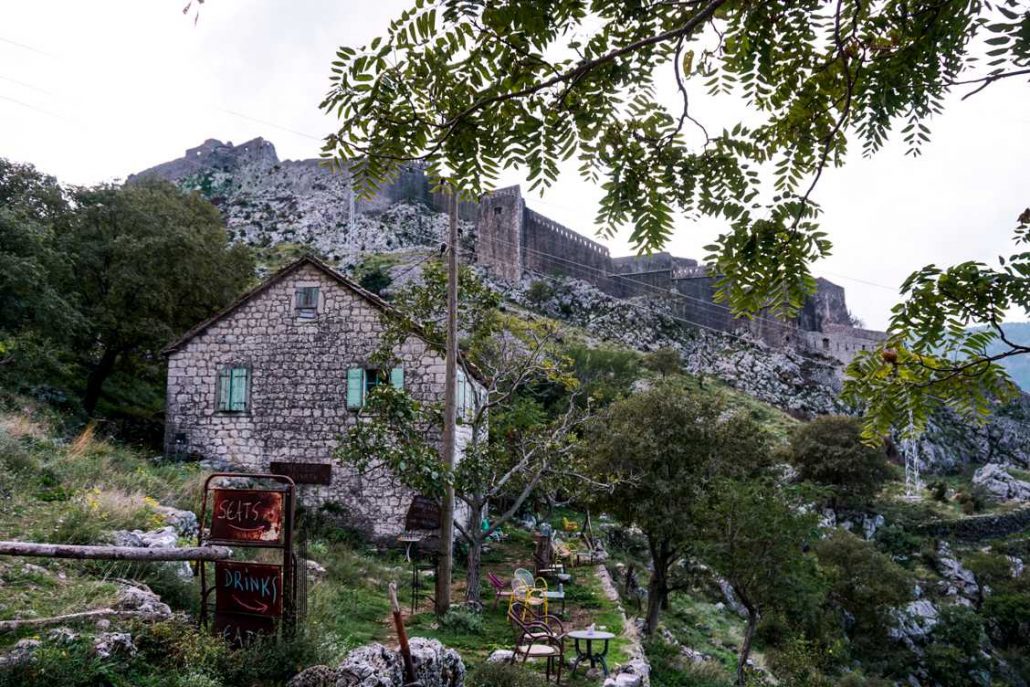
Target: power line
[[33, 107], [28, 47], [26, 85]]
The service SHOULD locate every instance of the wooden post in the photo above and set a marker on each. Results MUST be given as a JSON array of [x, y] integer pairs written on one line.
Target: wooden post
[[402, 636], [443, 571], [114, 553]]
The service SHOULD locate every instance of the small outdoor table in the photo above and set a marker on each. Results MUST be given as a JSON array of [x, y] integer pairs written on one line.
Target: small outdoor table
[[589, 653]]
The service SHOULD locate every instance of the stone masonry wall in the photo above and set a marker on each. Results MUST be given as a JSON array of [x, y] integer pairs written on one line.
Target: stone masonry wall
[[297, 408]]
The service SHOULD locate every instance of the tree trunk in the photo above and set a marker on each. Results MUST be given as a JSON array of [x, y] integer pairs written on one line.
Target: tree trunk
[[658, 587], [475, 554], [472, 575], [97, 376], [745, 646], [443, 568]]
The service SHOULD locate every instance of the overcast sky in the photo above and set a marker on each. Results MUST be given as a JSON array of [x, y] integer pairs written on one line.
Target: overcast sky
[[93, 91]]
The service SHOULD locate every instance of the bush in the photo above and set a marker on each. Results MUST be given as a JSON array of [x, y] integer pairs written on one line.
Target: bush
[[504, 675], [462, 619], [829, 451], [955, 654], [1009, 616], [865, 583]]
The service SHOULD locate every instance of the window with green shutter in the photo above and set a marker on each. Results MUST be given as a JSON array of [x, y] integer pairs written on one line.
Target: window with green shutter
[[234, 389], [361, 382], [355, 388]]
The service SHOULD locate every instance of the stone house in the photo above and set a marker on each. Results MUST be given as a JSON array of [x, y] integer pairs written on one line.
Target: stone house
[[280, 375]]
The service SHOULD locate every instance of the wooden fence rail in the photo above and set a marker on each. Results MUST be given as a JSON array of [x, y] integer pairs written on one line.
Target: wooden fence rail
[[114, 553]]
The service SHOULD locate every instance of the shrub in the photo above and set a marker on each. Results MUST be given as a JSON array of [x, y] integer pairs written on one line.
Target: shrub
[[462, 619], [504, 675], [938, 490], [539, 292], [865, 583], [1009, 616], [829, 451], [955, 654]]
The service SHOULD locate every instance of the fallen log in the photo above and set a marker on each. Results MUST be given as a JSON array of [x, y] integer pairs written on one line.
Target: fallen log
[[98, 614], [114, 553]]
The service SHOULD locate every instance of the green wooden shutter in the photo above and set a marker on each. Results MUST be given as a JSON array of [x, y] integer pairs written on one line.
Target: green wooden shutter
[[397, 377], [224, 386], [238, 393], [355, 387], [462, 397]]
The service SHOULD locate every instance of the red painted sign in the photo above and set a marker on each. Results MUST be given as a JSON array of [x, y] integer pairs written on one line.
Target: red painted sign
[[240, 630], [247, 515], [255, 588]]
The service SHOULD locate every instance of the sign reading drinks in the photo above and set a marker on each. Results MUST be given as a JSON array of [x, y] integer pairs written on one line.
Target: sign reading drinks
[[304, 473], [247, 515], [255, 588]]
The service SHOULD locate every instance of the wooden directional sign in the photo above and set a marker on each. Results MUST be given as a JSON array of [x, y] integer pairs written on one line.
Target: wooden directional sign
[[247, 516], [255, 588], [423, 514], [304, 473]]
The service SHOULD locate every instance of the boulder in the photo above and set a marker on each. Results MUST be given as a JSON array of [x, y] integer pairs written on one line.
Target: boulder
[[1001, 485], [958, 580], [111, 644], [374, 665], [913, 623], [19, 654], [62, 635], [316, 571], [142, 600], [184, 521]]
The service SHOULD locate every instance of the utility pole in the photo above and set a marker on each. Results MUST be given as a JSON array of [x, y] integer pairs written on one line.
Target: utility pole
[[450, 413]]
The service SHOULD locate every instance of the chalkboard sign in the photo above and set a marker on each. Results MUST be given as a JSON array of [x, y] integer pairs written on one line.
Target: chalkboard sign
[[423, 514], [255, 588], [247, 516], [304, 473], [240, 630]]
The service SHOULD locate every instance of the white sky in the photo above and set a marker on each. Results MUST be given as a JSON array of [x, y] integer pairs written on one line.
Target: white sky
[[93, 91]]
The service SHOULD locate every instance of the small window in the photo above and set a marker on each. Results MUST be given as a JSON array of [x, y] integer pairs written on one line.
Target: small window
[[498, 209], [826, 344], [234, 389], [361, 382], [307, 302]]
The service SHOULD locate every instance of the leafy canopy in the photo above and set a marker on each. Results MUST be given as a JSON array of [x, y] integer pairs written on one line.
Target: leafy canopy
[[933, 356], [829, 451], [472, 87]]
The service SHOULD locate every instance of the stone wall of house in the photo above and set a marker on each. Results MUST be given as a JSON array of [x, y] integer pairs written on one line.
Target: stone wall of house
[[297, 408]]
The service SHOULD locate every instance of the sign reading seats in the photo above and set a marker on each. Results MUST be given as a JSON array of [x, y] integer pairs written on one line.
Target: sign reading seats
[[247, 515]]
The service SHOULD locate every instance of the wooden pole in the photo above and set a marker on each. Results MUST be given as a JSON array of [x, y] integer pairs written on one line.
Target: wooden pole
[[402, 636], [443, 571], [114, 553]]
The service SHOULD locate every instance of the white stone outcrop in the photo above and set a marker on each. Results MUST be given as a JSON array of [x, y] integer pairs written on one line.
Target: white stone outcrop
[[374, 665], [1000, 484]]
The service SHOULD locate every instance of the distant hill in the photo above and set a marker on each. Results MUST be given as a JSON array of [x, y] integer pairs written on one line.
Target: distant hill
[[1018, 366]]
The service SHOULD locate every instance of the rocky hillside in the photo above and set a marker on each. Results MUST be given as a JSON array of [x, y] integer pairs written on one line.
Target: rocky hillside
[[269, 202]]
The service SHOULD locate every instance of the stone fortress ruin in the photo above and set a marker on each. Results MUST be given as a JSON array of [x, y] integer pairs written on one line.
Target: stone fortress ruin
[[268, 200]]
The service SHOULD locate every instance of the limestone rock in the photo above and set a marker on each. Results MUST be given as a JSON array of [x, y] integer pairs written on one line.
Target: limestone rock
[[111, 644], [142, 600], [21, 653], [316, 571], [958, 580], [913, 623], [374, 665], [62, 635], [1000, 484], [184, 521]]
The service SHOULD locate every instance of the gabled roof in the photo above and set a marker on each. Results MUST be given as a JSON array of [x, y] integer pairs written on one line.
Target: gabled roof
[[374, 300]]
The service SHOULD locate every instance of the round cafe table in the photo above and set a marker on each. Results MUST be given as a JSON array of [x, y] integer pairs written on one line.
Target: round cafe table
[[589, 652]]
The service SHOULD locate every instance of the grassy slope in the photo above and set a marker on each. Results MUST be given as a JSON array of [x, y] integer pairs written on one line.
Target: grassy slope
[[56, 490]]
